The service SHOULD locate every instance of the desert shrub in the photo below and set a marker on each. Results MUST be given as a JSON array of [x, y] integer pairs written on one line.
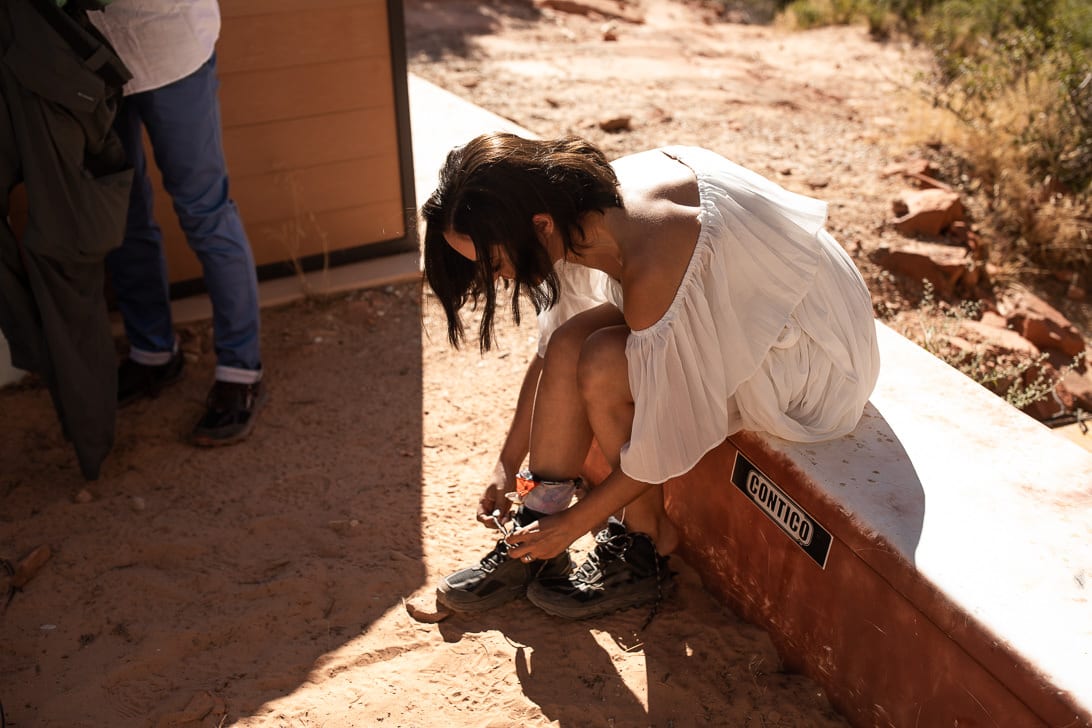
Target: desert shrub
[[817, 13], [1017, 77], [1018, 379]]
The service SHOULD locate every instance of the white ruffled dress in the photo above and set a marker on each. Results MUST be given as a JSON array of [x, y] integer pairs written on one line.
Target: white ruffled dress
[[771, 328]]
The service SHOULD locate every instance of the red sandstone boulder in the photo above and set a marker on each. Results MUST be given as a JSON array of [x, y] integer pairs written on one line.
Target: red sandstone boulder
[[1058, 402], [616, 124], [1045, 326], [944, 266], [1079, 384], [926, 212], [997, 340], [994, 319]]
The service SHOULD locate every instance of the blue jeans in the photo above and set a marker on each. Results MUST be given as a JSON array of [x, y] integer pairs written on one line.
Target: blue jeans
[[183, 124]]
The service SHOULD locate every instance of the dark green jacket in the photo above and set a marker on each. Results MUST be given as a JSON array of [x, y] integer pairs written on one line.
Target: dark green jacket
[[60, 84]]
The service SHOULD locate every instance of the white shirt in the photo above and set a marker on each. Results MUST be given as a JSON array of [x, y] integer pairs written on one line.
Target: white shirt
[[161, 41]]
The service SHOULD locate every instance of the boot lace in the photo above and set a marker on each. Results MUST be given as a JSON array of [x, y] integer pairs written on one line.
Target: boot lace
[[607, 549], [614, 548], [495, 558]]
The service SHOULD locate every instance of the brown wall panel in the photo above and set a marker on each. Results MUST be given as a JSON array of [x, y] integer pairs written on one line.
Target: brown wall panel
[[328, 231], [298, 205], [252, 97], [300, 236], [317, 36], [311, 130], [307, 142], [298, 192]]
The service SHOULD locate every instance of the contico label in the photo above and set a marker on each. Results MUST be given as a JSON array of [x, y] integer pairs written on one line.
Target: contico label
[[797, 523]]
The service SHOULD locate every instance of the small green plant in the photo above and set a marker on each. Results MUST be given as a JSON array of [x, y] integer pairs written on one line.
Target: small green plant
[[1020, 381]]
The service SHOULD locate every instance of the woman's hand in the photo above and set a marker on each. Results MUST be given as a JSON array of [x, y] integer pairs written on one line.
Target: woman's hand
[[494, 498], [545, 538]]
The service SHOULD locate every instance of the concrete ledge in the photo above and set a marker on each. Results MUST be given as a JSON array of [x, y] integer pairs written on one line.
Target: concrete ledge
[[954, 587], [440, 120], [365, 274]]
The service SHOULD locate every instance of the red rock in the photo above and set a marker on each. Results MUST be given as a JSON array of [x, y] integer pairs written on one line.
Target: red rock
[[959, 231], [1079, 385], [927, 212], [1048, 407], [998, 340], [615, 124], [942, 265], [994, 319], [1044, 325], [1059, 401]]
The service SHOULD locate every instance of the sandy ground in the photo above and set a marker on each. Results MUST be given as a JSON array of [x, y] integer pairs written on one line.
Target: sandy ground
[[263, 585]]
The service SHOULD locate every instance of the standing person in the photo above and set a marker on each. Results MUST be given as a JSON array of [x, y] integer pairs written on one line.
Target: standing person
[[169, 45], [681, 299]]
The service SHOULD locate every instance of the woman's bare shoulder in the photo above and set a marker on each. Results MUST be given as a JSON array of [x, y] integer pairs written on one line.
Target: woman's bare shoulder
[[657, 255], [653, 175]]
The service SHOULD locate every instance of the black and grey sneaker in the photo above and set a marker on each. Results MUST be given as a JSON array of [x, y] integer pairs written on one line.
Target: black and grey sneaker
[[622, 571], [137, 380], [230, 412], [497, 580]]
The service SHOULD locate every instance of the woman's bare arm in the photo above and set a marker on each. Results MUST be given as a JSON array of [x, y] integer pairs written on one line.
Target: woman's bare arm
[[514, 451]]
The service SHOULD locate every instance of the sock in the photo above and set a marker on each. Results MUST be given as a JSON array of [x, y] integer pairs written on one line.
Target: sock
[[525, 516], [549, 496]]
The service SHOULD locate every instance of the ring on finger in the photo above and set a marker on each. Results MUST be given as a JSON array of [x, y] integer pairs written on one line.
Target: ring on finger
[[527, 558]]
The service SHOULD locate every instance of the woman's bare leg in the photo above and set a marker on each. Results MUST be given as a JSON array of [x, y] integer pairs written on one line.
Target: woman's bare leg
[[603, 377], [560, 432]]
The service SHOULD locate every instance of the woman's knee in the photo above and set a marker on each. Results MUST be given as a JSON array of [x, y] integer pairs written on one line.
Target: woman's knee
[[563, 349], [568, 340], [602, 369]]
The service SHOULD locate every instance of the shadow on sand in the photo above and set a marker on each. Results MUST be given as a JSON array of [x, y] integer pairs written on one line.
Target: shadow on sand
[[230, 570]]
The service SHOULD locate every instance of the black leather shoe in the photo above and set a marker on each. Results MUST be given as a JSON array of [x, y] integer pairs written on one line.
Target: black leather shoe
[[143, 380], [230, 413]]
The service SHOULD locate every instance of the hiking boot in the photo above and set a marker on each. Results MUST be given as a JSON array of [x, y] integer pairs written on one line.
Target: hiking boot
[[622, 571], [137, 380], [497, 580], [230, 415]]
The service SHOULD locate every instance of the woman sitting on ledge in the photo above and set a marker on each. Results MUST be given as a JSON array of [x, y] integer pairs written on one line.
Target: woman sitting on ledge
[[681, 298]]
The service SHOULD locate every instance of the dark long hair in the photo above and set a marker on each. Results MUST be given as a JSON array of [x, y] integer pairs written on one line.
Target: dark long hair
[[489, 190]]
